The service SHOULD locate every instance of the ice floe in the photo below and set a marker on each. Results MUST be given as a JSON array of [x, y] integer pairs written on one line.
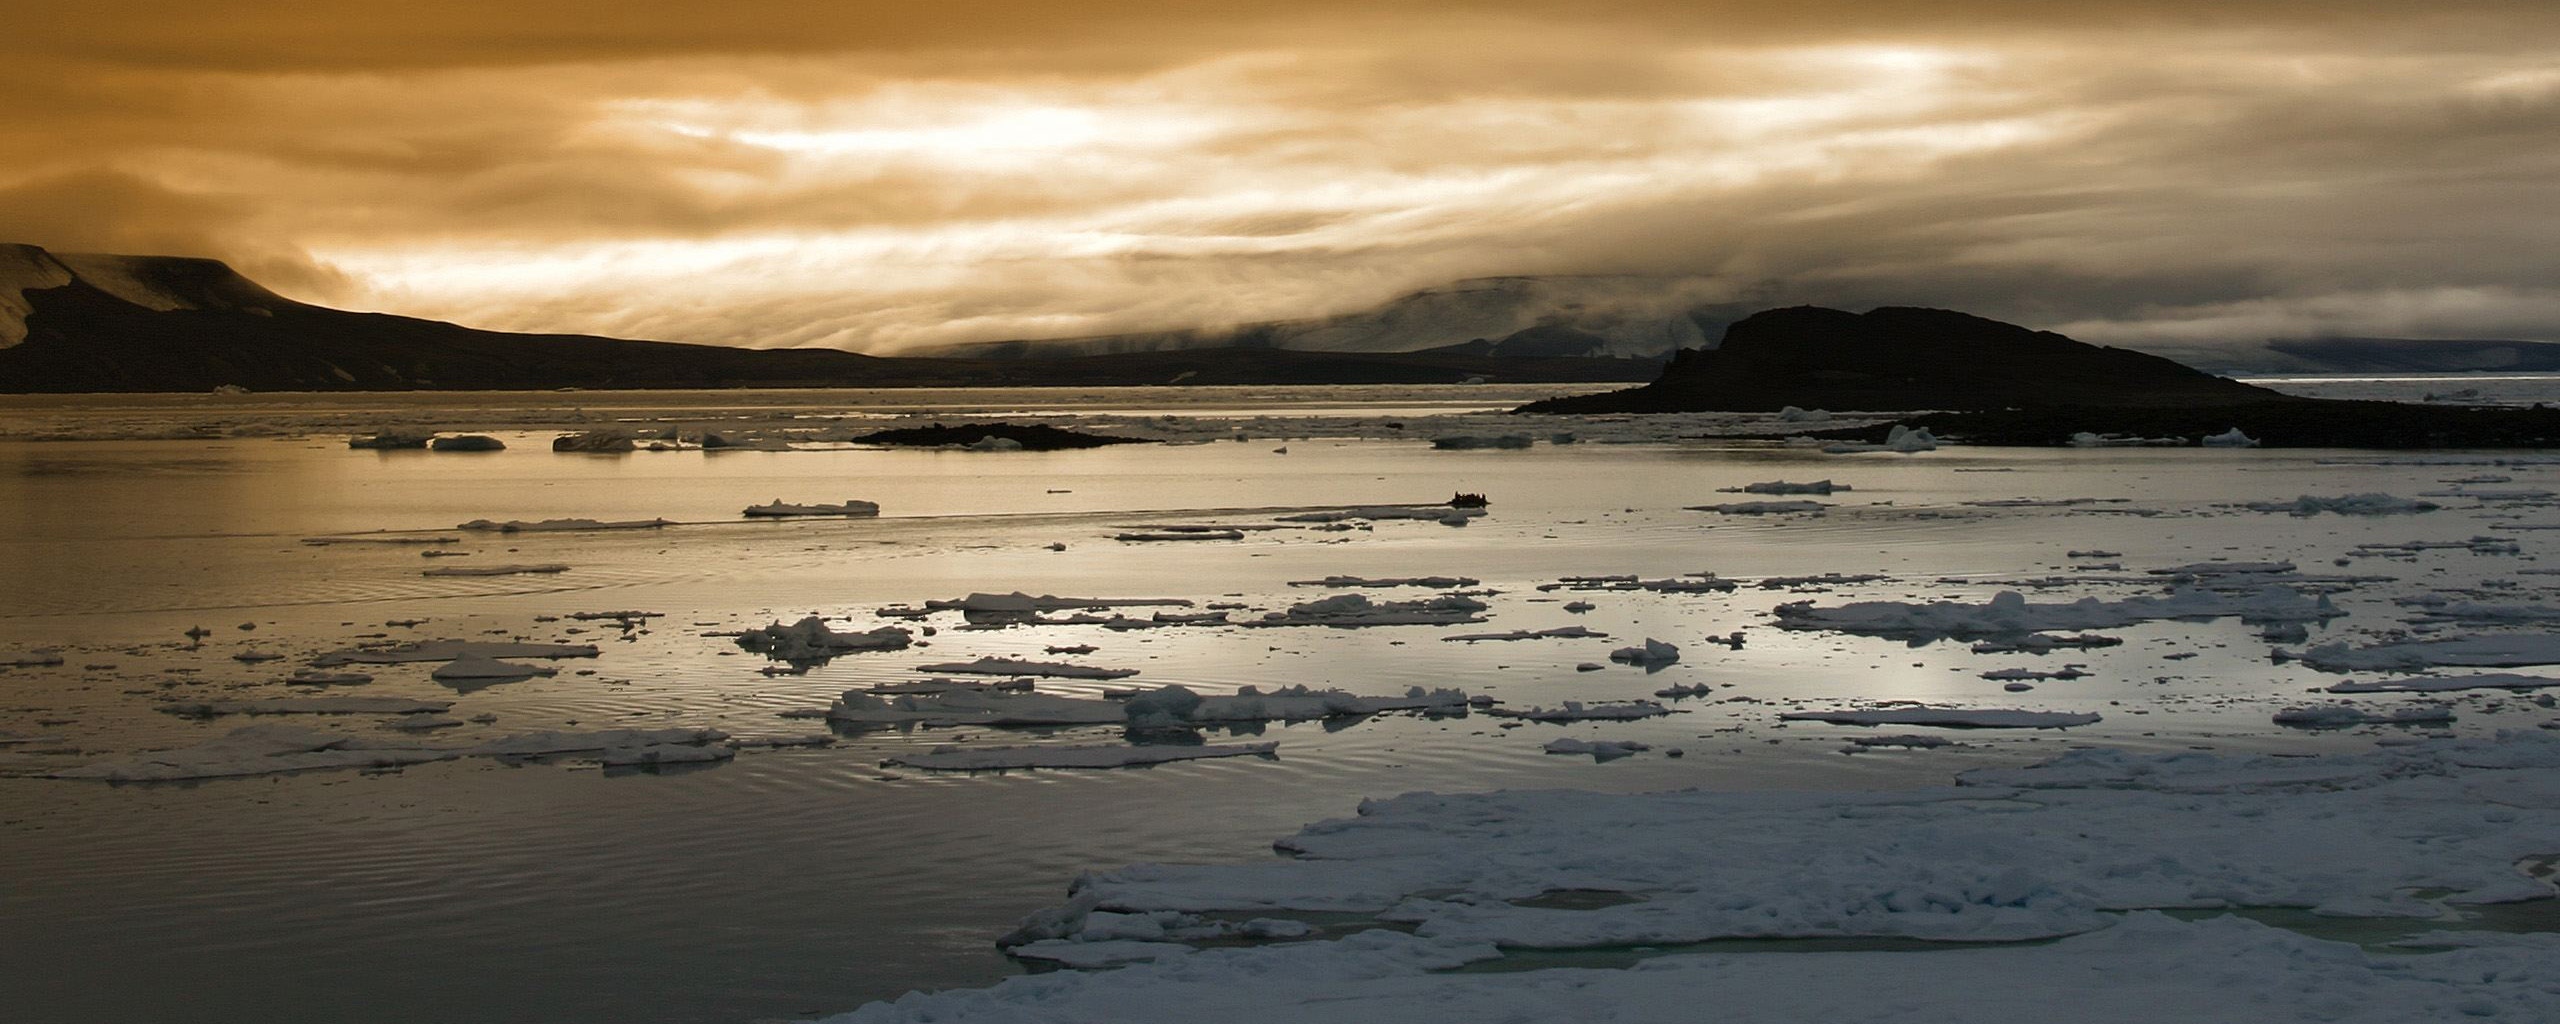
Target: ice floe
[[2010, 612], [307, 706], [1785, 487], [1654, 652], [779, 508], [1577, 711], [1952, 718], [1760, 508], [1567, 632], [2232, 438], [270, 749], [1439, 582], [561, 525], [1600, 750], [2441, 684], [992, 666], [2331, 716], [545, 568], [2485, 651], [1354, 610], [962, 758], [2372, 503], [811, 639], [449, 650]]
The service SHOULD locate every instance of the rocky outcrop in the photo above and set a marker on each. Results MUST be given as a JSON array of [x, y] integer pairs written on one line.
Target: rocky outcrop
[[1902, 358]]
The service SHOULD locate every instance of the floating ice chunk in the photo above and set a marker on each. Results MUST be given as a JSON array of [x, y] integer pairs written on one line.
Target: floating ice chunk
[[1683, 690], [316, 677], [649, 755], [1600, 750], [992, 666], [2439, 684], [269, 749], [474, 669], [1569, 632], [595, 441], [1091, 954], [392, 439], [2065, 672], [2487, 651], [2371, 503], [955, 706], [1914, 741], [778, 508], [561, 525], [810, 639], [255, 656], [544, 568], [2231, 438], [994, 443], [2011, 612], [1355, 610], [2039, 643], [2223, 569], [1828, 579], [1654, 652], [308, 706], [1441, 582], [1795, 414], [2332, 716], [1760, 508], [1899, 439], [1577, 711], [1025, 606], [30, 659], [2085, 439], [954, 758], [467, 443], [448, 650], [1696, 583], [1784, 487], [1952, 718], [1299, 703], [1462, 442], [1432, 512]]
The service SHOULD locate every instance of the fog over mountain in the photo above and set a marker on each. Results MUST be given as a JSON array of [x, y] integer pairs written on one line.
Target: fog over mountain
[[890, 178]]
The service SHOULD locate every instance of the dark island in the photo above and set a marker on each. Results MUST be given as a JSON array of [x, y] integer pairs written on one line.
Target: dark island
[[1982, 381]]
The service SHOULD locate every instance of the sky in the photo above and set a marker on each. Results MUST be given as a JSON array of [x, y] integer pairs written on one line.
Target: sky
[[883, 176]]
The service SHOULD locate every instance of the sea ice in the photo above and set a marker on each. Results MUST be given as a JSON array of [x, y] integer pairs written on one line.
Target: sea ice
[[473, 669], [1569, 632], [2373, 503], [2485, 651], [1600, 750], [1784, 487], [1441, 582], [1760, 508], [1354, 610], [1952, 718], [1654, 652], [2330, 716], [779, 508], [2440, 684], [495, 570], [2010, 612], [810, 639], [561, 525], [449, 650], [991, 666], [2231, 438], [1577, 711], [961, 759]]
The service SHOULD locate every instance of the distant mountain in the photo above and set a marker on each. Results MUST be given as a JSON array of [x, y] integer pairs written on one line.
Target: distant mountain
[[82, 322], [1897, 358], [2367, 355], [1503, 317]]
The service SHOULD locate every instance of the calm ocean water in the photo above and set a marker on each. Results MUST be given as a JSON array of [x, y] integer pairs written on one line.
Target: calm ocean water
[[796, 882]]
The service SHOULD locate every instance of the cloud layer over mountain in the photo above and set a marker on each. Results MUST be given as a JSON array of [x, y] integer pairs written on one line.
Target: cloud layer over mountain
[[878, 176]]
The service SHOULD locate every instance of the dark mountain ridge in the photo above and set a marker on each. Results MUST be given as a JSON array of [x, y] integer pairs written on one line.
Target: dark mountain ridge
[[74, 323]]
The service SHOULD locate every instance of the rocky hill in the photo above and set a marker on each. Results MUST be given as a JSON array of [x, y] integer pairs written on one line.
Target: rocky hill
[[1898, 358]]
